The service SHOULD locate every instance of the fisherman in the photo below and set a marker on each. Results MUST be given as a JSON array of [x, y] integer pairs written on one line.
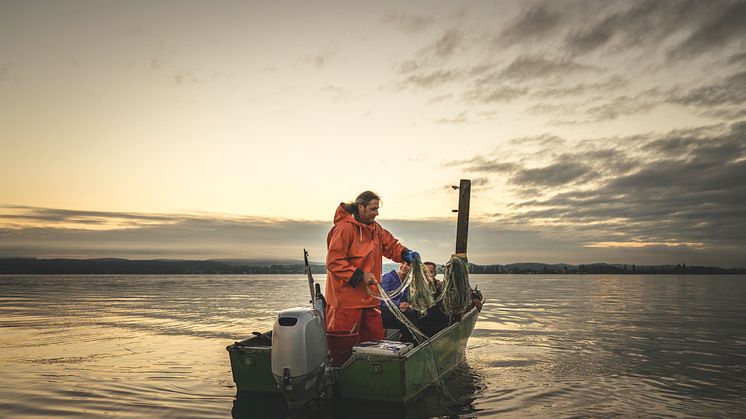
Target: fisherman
[[355, 246], [390, 282]]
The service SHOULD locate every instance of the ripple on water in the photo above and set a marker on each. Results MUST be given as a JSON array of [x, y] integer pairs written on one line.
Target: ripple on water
[[597, 346]]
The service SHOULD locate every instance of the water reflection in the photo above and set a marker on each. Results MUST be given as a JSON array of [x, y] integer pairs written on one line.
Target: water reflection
[[463, 386], [582, 345], [615, 345]]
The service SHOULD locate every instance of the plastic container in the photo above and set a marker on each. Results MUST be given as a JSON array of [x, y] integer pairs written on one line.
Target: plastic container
[[382, 348]]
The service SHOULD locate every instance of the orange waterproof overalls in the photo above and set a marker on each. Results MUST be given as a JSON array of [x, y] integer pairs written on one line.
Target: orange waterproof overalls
[[352, 249]]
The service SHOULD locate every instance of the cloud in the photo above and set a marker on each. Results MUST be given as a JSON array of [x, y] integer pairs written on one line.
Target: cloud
[[448, 43], [458, 119], [542, 140], [45, 232], [737, 58], [608, 86], [537, 22], [729, 25], [409, 22], [337, 94], [431, 79], [495, 94], [528, 67], [322, 58], [8, 75], [584, 27], [642, 23], [559, 173], [680, 188], [21, 214], [4, 72], [480, 164], [586, 62], [729, 91], [624, 105]]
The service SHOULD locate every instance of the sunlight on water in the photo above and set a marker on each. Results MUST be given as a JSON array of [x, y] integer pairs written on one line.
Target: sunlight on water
[[154, 346]]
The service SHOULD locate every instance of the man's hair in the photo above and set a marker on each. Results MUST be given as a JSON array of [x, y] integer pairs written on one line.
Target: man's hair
[[433, 264], [362, 199]]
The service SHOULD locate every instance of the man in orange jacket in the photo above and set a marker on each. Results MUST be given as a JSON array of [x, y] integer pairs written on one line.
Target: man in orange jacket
[[355, 246]]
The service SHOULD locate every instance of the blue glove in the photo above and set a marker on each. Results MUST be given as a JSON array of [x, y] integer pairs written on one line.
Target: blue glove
[[409, 255]]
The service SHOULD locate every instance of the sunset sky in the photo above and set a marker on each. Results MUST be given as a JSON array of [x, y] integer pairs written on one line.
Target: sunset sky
[[593, 131]]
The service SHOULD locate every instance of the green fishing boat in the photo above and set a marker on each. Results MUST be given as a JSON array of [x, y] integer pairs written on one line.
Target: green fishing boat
[[391, 378], [387, 371]]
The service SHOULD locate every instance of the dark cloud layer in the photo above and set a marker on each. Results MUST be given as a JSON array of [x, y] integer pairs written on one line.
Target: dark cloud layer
[[552, 227], [536, 23], [588, 26], [93, 234], [728, 24], [639, 23], [729, 91], [571, 59], [528, 67], [559, 173], [682, 188]]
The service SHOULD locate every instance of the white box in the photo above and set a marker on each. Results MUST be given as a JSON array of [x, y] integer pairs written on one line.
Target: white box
[[382, 348]]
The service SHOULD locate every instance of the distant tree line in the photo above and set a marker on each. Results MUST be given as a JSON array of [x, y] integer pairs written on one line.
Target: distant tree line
[[601, 268], [206, 267], [143, 267]]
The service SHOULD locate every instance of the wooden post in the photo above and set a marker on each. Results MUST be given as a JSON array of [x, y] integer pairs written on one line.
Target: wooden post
[[462, 228]]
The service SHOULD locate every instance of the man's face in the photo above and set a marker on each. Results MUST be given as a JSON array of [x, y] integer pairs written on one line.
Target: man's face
[[404, 269], [431, 271], [368, 213]]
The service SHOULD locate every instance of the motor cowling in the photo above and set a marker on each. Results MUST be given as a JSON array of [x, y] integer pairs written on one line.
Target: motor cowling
[[299, 354]]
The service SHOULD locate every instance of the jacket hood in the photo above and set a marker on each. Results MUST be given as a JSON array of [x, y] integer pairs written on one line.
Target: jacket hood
[[342, 216]]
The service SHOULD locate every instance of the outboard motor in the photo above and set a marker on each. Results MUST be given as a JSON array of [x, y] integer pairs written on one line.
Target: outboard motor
[[299, 354]]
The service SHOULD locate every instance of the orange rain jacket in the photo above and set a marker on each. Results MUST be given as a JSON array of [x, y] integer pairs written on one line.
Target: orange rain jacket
[[352, 249]]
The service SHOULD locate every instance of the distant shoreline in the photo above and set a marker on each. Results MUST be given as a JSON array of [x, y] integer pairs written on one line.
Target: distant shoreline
[[236, 267]]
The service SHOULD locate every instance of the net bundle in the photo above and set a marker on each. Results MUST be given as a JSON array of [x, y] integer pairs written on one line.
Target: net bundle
[[456, 295], [422, 289]]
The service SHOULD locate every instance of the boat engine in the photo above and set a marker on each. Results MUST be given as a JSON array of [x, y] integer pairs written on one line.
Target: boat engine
[[299, 354]]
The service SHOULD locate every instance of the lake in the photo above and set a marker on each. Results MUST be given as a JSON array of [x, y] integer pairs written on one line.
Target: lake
[[88, 346]]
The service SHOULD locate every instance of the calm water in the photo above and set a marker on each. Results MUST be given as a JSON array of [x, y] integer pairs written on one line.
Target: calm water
[[559, 346]]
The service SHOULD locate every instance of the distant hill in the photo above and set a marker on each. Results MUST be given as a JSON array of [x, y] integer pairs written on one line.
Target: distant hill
[[291, 266], [157, 266], [260, 262], [600, 268]]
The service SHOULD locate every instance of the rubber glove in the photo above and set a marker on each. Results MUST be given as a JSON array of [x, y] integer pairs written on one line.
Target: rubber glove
[[409, 255]]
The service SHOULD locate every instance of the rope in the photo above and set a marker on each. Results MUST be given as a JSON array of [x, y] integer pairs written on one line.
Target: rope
[[394, 308]]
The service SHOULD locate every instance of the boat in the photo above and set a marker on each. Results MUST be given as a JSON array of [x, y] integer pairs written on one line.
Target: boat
[[386, 371]]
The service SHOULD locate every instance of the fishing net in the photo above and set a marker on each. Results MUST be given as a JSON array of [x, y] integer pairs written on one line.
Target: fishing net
[[424, 293], [422, 289], [386, 297], [456, 293]]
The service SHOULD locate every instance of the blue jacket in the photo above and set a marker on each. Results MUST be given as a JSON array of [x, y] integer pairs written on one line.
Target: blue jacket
[[391, 281]]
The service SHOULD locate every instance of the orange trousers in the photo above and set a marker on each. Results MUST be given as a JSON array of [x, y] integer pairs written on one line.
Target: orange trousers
[[367, 320]]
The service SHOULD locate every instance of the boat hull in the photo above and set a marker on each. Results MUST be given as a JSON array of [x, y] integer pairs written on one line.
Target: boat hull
[[366, 377], [398, 379], [251, 364]]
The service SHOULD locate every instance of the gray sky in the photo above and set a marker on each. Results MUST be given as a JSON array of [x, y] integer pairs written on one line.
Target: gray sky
[[592, 131]]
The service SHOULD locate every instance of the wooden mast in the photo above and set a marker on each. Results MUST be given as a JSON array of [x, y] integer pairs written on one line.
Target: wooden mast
[[462, 228]]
